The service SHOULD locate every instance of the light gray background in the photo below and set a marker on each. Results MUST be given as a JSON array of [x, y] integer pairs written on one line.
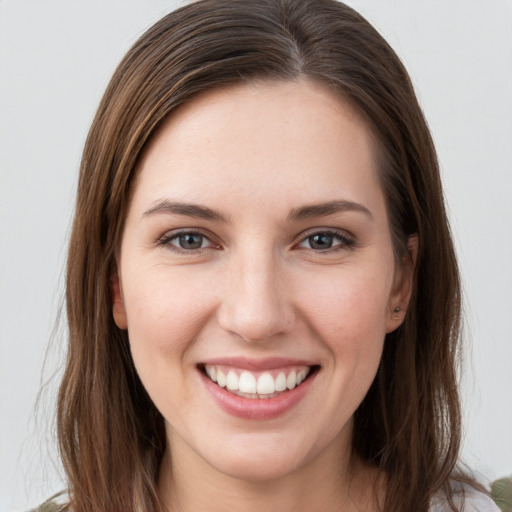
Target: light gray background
[[55, 60]]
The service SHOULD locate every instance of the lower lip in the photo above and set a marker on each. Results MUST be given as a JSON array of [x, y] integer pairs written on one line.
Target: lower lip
[[257, 408]]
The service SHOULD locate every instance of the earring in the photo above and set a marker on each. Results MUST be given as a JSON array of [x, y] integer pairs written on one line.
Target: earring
[[396, 311]]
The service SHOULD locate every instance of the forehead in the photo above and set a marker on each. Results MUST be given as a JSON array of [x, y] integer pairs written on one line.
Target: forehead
[[268, 138]]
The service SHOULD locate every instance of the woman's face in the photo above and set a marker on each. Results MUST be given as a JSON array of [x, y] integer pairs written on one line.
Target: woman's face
[[257, 278]]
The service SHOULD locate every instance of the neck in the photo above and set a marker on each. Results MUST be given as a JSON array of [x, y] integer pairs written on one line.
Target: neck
[[329, 482]]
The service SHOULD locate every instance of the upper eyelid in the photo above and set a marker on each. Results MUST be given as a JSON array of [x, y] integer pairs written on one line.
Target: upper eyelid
[[332, 231], [171, 233]]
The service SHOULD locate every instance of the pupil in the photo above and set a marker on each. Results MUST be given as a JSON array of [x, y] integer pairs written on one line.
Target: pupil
[[191, 241], [321, 241]]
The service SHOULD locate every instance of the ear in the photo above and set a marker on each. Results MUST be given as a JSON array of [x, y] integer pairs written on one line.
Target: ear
[[118, 310], [402, 286]]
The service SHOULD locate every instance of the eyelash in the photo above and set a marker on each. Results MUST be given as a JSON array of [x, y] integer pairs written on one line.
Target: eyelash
[[345, 241]]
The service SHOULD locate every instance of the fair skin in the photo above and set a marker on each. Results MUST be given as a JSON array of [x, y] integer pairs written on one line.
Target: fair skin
[[257, 243]]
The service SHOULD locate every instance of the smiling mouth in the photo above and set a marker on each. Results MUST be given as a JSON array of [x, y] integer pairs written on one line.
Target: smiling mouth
[[258, 385]]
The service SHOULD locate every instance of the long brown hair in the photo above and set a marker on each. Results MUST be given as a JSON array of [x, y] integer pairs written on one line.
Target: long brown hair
[[111, 436]]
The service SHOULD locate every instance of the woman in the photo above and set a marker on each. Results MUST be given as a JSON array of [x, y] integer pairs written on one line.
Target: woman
[[263, 298]]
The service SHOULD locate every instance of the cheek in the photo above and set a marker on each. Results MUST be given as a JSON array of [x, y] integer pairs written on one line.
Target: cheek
[[349, 316], [346, 315], [348, 305], [165, 312]]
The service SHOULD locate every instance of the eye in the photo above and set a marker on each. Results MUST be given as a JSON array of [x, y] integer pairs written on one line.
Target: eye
[[186, 241], [323, 241], [189, 241]]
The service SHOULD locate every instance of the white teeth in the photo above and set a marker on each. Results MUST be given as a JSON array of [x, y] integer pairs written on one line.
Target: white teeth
[[211, 372], [281, 382], [247, 383], [232, 381], [266, 384], [252, 386], [221, 378], [291, 380]]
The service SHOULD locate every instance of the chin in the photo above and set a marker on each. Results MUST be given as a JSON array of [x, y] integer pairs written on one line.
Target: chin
[[257, 459], [256, 469]]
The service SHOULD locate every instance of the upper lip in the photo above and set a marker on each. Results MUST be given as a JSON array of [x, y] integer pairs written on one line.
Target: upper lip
[[267, 363]]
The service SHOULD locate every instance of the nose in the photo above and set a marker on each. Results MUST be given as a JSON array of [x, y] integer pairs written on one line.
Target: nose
[[255, 304]]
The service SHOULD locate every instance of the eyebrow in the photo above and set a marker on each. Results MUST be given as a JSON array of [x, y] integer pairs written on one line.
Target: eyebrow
[[325, 209], [187, 209], [305, 212]]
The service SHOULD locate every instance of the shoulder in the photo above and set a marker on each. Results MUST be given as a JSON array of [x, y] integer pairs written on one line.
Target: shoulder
[[467, 499]]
